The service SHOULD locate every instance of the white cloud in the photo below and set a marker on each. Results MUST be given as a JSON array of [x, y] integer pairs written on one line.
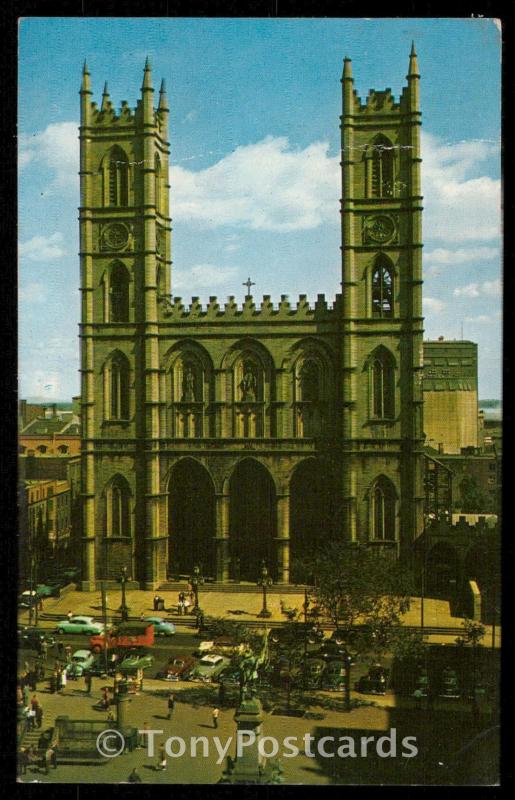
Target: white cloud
[[43, 248], [56, 147], [488, 288], [432, 305], [191, 116], [482, 319], [262, 186], [444, 257], [458, 207], [43, 384], [33, 293], [202, 276]]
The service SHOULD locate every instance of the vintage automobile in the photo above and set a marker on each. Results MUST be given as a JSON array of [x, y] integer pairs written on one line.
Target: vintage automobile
[[80, 663], [298, 632], [161, 626], [136, 660], [331, 650], [334, 675], [177, 669], [209, 668], [125, 635], [49, 589], [80, 624], [312, 672], [28, 598], [31, 638], [374, 682]]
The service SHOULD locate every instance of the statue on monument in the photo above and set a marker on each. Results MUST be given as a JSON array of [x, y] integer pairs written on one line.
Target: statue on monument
[[188, 386], [249, 383]]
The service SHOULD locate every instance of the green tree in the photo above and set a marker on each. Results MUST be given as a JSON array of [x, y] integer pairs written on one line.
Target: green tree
[[364, 592], [473, 499]]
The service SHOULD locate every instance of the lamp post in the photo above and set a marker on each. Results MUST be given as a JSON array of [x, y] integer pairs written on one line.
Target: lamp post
[[265, 582], [196, 580], [124, 610]]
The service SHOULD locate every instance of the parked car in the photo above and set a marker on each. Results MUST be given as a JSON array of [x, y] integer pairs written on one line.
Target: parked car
[[449, 684], [312, 672], [49, 589], [177, 669], [204, 647], [330, 650], [80, 624], [81, 661], [375, 681], [28, 598], [334, 675], [209, 668], [125, 635], [31, 638], [161, 626], [136, 660]]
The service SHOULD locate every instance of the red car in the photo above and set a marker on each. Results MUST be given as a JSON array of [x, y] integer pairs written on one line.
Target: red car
[[177, 668]]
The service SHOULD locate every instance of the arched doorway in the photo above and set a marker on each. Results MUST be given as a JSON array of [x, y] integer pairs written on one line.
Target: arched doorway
[[442, 571], [191, 519], [314, 513], [252, 521]]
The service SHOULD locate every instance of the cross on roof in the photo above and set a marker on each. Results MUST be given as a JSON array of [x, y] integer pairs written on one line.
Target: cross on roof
[[248, 283]]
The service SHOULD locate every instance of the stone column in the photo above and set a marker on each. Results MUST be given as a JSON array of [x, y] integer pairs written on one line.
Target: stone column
[[222, 538], [283, 538]]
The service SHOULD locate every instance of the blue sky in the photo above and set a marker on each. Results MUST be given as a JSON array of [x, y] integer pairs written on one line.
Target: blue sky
[[254, 131]]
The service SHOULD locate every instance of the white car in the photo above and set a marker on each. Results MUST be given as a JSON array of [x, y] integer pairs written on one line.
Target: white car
[[204, 647], [81, 661]]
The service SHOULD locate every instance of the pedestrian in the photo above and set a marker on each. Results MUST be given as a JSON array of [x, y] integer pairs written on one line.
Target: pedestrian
[[105, 697], [60, 649], [26, 693], [215, 715], [134, 777], [39, 669], [161, 759], [68, 653], [221, 694], [63, 681], [70, 615], [171, 705], [156, 598], [34, 703], [39, 716], [110, 715], [44, 649], [50, 760], [23, 760], [32, 680], [88, 680], [30, 716], [200, 621]]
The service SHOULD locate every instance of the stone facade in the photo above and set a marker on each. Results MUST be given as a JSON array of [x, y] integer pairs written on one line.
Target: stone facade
[[228, 434]]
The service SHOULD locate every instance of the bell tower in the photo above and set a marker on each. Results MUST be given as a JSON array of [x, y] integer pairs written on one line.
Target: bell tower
[[382, 324], [125, 266]]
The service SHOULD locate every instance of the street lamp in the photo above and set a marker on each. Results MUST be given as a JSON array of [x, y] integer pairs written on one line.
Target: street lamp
[[124, 610], [196, 580], [265, 582]]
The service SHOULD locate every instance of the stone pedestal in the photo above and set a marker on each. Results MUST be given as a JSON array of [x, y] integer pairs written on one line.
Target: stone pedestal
[[250, 767]]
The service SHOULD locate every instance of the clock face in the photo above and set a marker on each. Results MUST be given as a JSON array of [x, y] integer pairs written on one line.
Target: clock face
[[380, 229], [116, 236]]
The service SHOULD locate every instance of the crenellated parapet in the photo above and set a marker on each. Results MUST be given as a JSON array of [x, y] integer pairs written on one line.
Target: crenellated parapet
[[175, 310]]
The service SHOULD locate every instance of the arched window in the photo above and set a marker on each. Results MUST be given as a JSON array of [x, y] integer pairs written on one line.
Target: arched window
[[63, 448], [118, 178], [382, 178], [383, 384], [116, 388], [119, 293], [309, 382], [42, 448], [383, 510], [382, 289], [118, 509]]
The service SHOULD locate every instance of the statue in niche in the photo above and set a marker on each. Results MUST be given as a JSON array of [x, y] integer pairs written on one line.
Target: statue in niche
[[188, 386], [249, 383]]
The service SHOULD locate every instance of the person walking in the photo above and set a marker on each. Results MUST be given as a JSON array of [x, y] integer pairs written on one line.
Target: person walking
[[63, 681], [50, 760], [161, 759], [214, 716], [88, 680], [134, 777], [68, 653], [34, 703], [60, 650], [23, 761], [70, 615], [105, 698], [39, 716], [25, 692], [44, 649], [30, 719], [33, 680], [171, 705]]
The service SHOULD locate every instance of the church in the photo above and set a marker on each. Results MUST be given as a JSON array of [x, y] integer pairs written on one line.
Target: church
[[225, 435]]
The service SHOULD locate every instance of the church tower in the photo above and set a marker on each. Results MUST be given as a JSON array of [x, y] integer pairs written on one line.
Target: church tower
[[382, 313], [125, 266]]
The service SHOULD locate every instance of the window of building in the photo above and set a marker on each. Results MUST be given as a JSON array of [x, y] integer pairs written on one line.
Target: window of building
[[382, 289], [63, 448], [382, 167], [383, 385], [116, 388], [119, 293], [118, 178], [118, 510], [383, 510], [42, 448]]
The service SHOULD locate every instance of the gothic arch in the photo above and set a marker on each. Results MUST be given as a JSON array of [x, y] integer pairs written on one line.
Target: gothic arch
[[382, 287], [379, 159], [116, 386], [117, 281], [117, 496], [380, 366], [191, 518], [383, 510], [189, 389], [250, 388], [115, 170]]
